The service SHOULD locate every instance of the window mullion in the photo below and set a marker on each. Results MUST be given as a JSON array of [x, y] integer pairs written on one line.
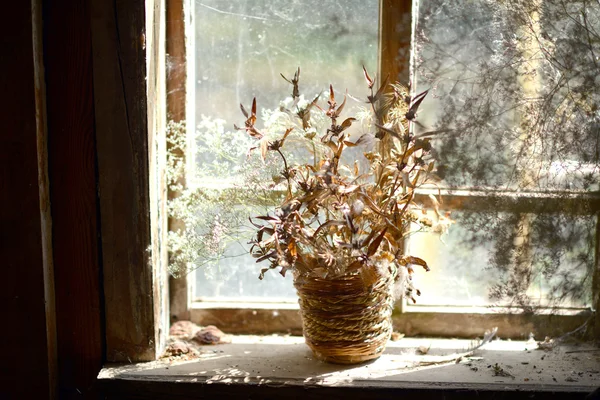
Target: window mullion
[[395, 26], [177, 112]]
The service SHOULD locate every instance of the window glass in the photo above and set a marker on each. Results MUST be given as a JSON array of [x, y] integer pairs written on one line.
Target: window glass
[[485, 260], [242, 47], [513, 106], [517, 83]]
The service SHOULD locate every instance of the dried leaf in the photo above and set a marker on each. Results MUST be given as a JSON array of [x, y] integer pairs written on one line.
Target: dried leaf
[[338, 111], [266, 256], [405, 260], [387, 128], [412, 112], [347, 122], [375, 243], [365, 139], [433, 133], [430, 167], [287, 132], [379, 93], [268, 218], [370, 81], [294, 83], [255, 224], [292, 248], [244, 110], [416, 180], [369, 276], [261, 276], [286, 79]]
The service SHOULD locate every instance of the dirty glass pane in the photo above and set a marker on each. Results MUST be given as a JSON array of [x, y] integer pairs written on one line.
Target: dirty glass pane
[[515, 86], [242, 47], [513, 105], [521, 260]]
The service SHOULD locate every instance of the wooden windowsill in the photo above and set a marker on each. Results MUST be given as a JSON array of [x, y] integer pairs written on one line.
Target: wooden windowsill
[[268, 318], [283, 366], [270, 304]]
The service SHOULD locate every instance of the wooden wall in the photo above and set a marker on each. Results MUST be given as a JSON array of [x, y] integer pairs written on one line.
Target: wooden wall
[[72, 165], [27, 342]]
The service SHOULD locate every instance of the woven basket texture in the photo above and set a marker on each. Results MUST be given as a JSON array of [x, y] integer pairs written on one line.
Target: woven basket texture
[[346, 320]]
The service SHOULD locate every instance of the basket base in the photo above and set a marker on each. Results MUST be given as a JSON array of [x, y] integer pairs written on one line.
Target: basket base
[[347, 353], [345, 359]]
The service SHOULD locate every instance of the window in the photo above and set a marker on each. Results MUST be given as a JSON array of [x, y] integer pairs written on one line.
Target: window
[[513, 117], [241, 51], [514, 90]]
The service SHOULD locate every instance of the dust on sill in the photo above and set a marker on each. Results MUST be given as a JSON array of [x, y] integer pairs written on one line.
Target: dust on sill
[[287, 360]]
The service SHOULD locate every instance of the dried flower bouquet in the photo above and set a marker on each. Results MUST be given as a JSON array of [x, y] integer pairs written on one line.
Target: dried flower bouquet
[[341, 228], [338, 219]]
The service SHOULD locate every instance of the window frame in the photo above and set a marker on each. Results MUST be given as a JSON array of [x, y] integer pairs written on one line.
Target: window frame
[[394, 60], [128, 55]]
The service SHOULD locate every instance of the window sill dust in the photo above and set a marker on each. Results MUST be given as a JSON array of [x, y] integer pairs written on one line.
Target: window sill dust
[[407, 363]]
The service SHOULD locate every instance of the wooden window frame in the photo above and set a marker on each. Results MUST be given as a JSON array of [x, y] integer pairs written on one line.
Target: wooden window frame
[[129, 94], [81, 203], [394, 59]]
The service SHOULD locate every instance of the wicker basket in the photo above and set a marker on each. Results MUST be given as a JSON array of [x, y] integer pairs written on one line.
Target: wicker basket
[[346, 320]]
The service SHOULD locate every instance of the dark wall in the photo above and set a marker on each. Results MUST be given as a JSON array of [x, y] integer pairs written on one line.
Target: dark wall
[[73, 194], [29, 369]]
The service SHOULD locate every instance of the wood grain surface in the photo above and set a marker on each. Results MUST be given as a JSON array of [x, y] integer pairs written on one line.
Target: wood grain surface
[[119, 69], [72, 162], [395, 40], [27, 345]]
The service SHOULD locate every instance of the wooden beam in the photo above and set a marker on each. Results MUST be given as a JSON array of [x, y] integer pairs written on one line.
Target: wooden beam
[[246, 321], [517, 202], [176, 102], [443, 322], [395, 21], [119, 68], [177, 71], [157, 141], [72, 153], [515, 326], [27, 287]]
